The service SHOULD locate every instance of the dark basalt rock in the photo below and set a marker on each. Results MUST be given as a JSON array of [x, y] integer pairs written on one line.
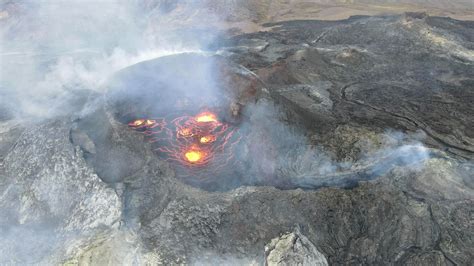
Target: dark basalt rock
[[386, 72]]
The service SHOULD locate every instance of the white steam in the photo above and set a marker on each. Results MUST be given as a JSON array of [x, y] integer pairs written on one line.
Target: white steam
[[50, 49], [281, 153], [52, 54]]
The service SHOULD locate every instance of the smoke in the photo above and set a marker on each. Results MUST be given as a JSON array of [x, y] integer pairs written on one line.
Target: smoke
[[55, 57], [26, 244], [281, 154], [55, 50]]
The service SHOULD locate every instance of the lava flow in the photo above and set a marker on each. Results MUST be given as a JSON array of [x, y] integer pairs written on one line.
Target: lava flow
[[190, 140], [207, 139], [193, 156], [146, 123], [137, 123], [206, 117]]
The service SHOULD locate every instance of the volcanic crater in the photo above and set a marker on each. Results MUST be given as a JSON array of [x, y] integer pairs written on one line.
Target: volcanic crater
[[346, 142]]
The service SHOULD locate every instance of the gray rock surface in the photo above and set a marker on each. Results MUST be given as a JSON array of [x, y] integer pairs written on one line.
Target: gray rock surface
[[388, 83], [344, 84], [48, 190], [293, 249]]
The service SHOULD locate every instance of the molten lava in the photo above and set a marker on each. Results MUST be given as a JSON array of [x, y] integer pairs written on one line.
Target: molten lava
[[149, 123], [137, 123], [193, 156], [206, 117], [190, 140], [207, 139]]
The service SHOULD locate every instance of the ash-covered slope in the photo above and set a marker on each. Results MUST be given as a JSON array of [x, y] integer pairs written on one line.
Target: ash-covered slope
[[344, 84]]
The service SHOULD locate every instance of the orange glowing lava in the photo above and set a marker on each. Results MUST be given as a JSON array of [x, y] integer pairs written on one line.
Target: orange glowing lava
[[207, 139], [150, 122], [137, 123], [206, 117], [191, 140], [143, 123], [193, 156]]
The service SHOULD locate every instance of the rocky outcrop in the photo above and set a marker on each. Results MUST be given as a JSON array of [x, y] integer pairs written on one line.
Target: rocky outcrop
[[115, 248], [47, 189], [293, 249]]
